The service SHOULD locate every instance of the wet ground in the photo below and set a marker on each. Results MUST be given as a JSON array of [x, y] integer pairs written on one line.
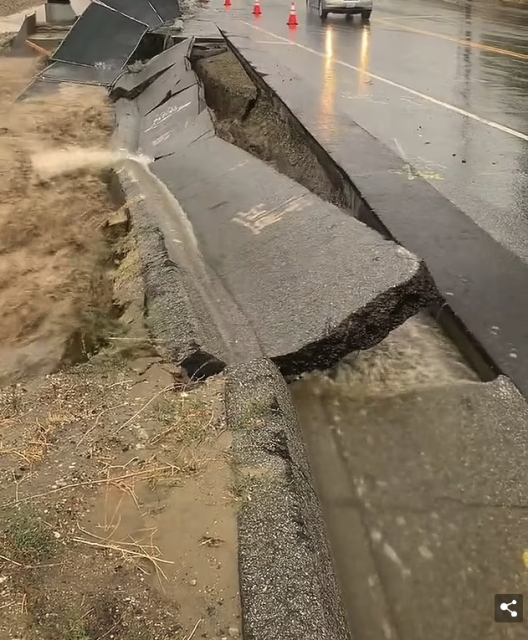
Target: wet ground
[[442, 85]]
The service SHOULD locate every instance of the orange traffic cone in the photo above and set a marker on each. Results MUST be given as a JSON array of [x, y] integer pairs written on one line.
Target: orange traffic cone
[[257, 9], [227, 3], [292, 20]]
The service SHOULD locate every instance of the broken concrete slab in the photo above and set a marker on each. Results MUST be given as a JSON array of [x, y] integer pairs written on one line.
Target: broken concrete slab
[[18, 47], [79, 74], [140, 10], [168, 10], [41, 87], [118, 224], [130, 84], [59, 13], [174, 80], [311, 282], [101, 38], [287, 581], [161, 128], [424, 496], [168, 143]]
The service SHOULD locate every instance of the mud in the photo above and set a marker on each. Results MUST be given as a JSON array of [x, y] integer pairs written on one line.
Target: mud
[[8, 7], [118, 517], [56, 259]]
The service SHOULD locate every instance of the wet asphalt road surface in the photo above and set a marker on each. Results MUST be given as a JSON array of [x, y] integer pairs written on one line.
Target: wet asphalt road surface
[[443, 85]]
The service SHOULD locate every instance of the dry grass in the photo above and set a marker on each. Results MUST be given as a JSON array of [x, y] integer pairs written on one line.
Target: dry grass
[[7, 7], [53, 279], [124, 465]]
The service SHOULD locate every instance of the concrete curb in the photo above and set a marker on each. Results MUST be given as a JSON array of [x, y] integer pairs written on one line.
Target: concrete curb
[[169, 312], [288, 586]]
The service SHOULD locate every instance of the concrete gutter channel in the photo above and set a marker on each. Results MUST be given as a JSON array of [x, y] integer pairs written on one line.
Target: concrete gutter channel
[[249, 273]]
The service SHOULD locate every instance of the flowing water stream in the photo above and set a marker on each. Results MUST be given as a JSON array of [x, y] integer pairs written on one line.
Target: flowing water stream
[[51, 163]]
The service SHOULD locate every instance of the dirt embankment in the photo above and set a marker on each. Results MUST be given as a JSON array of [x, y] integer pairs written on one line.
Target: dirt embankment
[[117, 504], [7, 7], [56, 261], [247, 117]]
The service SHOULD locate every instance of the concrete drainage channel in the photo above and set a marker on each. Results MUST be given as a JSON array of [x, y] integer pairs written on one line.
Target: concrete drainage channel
[[257, 269]]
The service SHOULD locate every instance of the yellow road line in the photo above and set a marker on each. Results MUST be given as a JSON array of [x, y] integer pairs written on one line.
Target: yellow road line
[[465, 43]]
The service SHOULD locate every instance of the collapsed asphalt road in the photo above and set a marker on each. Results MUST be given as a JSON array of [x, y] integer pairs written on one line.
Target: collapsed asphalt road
[[416, 483], [427, 142], [254, 244]]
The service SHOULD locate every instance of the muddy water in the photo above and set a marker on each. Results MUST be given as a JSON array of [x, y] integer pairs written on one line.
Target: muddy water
[[50, 163], [348, 415], [413, 356]]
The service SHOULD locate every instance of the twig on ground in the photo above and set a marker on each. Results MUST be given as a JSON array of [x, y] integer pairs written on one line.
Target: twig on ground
[[190, 636], [109, 630], [131, 552], [125, 424], [11, 561], [159, 436], [117, 384], [149, 551], [30, 566], [88, 483], [85, 435]]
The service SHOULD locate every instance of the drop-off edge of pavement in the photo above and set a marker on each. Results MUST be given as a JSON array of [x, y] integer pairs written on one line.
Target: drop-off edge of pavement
[[278, 272], [481, 281]]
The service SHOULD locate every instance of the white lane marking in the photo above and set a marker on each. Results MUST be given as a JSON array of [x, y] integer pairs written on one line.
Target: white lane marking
[[258, 217], [406, 17], [401, 87], [352, 96]]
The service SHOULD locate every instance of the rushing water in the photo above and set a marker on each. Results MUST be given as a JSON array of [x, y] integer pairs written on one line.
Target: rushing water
[[415, 355], [48, 164]]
